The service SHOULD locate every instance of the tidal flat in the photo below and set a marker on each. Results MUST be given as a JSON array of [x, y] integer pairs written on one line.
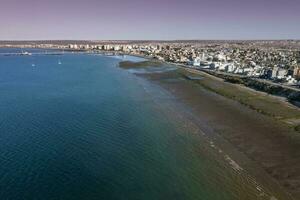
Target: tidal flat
[[260, 126]]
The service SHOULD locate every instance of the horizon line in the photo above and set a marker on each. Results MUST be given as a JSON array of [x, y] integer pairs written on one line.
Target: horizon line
[[139, 40]]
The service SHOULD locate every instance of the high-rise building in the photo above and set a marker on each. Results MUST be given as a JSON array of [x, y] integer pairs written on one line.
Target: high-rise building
[[274, 72]]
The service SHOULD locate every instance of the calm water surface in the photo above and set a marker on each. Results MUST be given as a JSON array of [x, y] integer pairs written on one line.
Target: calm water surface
[[85, 129]]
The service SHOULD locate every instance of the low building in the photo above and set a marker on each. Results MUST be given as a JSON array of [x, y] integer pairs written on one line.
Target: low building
[[196, 62], [296, 73]]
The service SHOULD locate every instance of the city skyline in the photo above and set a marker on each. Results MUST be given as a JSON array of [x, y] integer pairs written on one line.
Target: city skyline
[[151, 20]]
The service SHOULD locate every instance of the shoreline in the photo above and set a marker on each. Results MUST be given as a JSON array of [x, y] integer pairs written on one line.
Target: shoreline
[[282, 99], [265, 141], [213, 74], [261, 138]]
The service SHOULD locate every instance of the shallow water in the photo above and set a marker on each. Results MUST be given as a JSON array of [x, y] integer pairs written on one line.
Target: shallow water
[[86, 129]]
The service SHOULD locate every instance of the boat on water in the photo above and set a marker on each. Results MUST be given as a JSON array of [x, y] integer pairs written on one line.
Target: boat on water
[[33, 65], [26, 53], [59, 62]]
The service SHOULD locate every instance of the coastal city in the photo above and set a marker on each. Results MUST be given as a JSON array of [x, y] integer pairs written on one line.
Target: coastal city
[[150, 100], [274, 61]]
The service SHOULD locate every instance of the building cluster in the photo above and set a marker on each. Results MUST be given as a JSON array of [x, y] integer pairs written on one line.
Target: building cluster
[[274, 64], [277, 61]]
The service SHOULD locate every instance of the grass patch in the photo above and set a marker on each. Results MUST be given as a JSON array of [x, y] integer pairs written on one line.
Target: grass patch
[[260, 102], [130, 64]]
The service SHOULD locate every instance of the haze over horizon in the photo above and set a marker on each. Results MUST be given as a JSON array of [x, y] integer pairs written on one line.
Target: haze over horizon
[[151, 20]]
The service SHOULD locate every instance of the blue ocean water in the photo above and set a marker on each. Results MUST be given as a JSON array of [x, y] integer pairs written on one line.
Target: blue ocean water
[[86, 129]]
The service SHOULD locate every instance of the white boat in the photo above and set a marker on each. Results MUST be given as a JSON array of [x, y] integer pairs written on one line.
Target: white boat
[[59, 62], [26, 53]]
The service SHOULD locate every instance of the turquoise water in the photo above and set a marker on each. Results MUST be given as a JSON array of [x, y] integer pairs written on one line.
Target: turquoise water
[[85, 129]]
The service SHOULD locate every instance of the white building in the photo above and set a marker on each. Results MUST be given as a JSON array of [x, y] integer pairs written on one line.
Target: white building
[[196, 62]]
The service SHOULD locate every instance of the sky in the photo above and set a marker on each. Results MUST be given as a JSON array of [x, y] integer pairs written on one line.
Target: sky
[[149, 19]]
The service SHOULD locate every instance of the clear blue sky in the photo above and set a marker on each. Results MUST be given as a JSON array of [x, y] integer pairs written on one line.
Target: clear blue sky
[[155, 19]]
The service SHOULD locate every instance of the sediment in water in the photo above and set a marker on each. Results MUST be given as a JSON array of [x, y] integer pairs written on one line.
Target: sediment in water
[[256, 125]]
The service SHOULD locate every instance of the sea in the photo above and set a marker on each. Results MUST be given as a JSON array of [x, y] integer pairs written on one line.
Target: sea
[[76, 126]]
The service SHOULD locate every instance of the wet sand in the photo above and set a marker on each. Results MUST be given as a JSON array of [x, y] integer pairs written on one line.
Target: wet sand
[[269, 149]]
